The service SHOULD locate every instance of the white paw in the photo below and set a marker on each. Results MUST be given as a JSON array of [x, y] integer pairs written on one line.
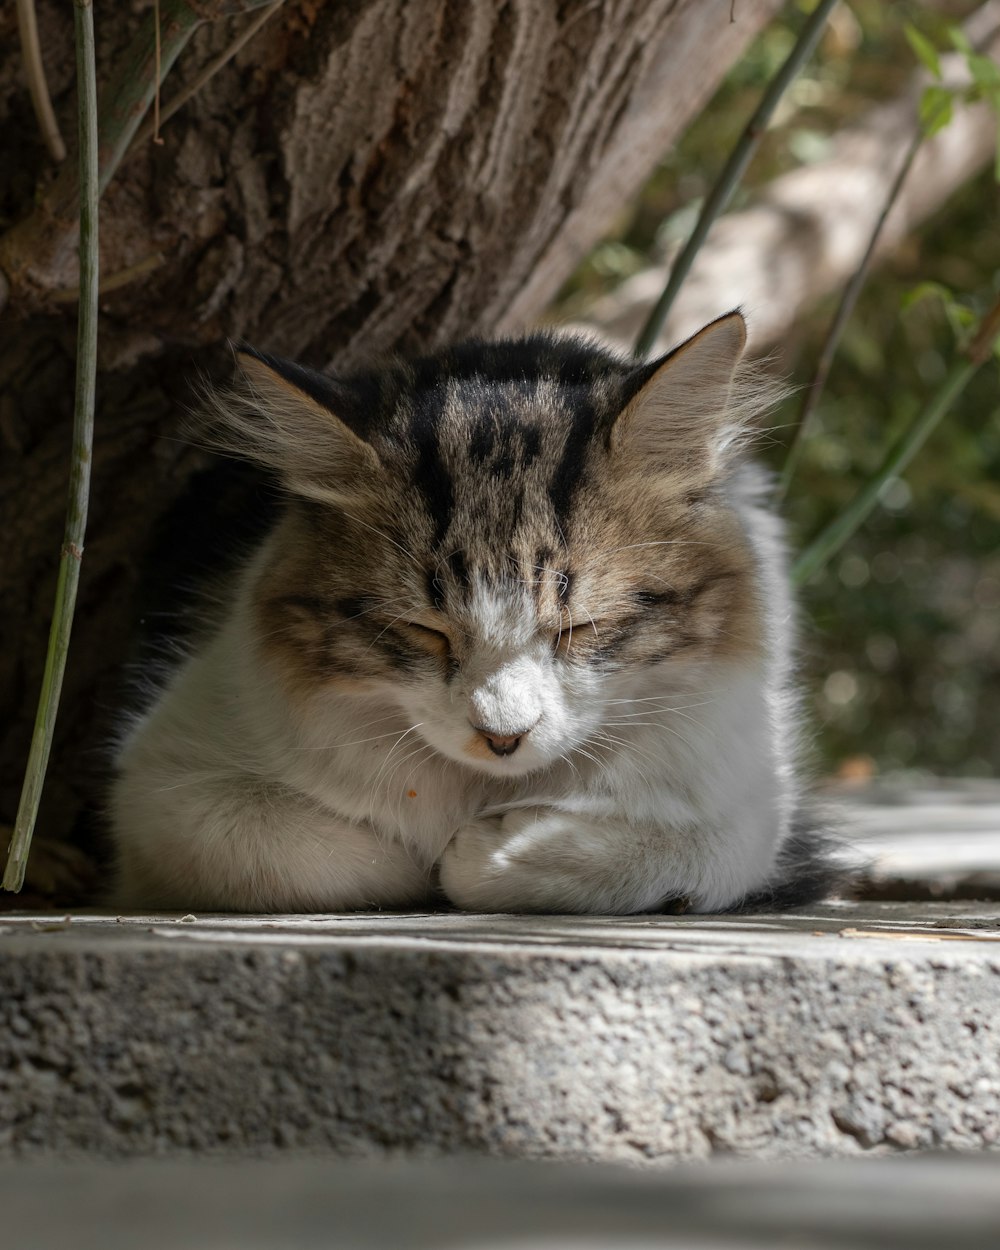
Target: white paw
[[538, 860], [474, 867]]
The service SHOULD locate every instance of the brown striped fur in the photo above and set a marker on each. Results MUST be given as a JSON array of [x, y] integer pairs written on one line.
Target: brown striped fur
[[522, 626], [655, 560]]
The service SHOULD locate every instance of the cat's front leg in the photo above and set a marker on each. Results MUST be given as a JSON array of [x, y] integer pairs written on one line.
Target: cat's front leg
[[541, 859], [236, 843]]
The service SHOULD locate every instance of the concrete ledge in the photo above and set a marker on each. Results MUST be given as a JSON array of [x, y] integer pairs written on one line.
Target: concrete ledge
[[850, 1029]]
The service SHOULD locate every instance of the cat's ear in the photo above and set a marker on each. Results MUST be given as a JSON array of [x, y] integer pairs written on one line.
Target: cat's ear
[[683, 418], [285, 417]]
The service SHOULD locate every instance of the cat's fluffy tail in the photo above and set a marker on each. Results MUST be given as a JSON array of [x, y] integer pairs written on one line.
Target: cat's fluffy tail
[[812, 864]]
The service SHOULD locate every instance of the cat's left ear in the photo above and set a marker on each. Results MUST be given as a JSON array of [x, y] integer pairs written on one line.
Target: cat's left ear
[[294, 421], [683, 417]]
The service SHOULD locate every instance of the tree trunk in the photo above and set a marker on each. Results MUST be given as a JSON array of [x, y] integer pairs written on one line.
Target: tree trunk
[[363, 176]]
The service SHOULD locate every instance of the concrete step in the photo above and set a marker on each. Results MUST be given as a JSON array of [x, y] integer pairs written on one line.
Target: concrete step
[[865, 1027], [846, 1029], [925, 840]]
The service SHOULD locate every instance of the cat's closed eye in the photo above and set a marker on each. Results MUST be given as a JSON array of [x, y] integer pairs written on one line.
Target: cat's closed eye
[[578, 631], [433, 639], [451, 662]]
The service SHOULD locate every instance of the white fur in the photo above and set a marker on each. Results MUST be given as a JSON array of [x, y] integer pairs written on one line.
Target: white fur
[[675, 780], [239, 791]]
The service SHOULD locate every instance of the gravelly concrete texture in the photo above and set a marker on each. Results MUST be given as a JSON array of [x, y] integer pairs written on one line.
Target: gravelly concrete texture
[[849, 1029], [872, 1204]]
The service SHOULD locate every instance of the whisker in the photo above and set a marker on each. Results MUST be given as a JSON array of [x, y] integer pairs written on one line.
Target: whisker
[[364, 525], [384, 631], [335, 746], [655, 697], [376, 780], [666, 542], [642, 718], [630, 747]]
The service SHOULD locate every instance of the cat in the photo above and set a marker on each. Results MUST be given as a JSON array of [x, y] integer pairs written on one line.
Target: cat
[[521, 638]]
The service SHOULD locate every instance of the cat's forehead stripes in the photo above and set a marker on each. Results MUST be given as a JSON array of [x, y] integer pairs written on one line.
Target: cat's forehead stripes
[[520, 416], [430, 473], [515, 462], [494, 514]]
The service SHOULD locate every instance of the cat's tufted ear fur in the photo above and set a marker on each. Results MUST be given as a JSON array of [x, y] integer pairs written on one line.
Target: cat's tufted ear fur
[[285, 417], [691, 409]]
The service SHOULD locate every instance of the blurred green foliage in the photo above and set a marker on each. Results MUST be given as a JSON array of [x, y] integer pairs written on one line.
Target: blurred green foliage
[[902, 650]]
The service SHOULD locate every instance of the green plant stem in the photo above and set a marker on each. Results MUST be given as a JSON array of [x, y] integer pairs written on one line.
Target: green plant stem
[[83, 437], [34, 71], [847, 302], [33, 253], [843, 314], [145, 132], [127, 99], [832, 538], [732, 173]]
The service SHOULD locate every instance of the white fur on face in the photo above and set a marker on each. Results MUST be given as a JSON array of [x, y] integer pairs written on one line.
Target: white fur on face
[[312, 754], [509, 680]]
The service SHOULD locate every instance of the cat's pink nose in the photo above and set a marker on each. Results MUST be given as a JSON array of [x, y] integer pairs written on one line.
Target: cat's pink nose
[[501, 744]]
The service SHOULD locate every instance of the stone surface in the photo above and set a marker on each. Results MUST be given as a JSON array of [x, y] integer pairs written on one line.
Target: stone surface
[[849, 1029], [929, 840], [871, 1204], [842, 1030]]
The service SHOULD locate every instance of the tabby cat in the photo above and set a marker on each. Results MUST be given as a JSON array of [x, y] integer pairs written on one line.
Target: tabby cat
[[520, 638]]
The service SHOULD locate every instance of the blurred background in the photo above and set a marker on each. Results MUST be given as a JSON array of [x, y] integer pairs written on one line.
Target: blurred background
[[901, 637]]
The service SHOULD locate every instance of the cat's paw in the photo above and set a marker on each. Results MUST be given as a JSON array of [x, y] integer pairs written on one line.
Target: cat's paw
[[536, 860], [473, 866]]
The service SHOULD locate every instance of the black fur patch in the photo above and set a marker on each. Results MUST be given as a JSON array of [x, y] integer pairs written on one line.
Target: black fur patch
[[809, 868], [499, 382], [430, 475], [459, 568], [223, 515], [651, 599], [351, 607], [569, 473]]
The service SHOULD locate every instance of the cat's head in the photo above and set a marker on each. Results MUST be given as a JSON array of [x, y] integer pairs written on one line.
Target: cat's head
[[503, 537]]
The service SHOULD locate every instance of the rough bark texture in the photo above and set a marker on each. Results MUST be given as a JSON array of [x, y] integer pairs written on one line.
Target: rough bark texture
[[366, 175]]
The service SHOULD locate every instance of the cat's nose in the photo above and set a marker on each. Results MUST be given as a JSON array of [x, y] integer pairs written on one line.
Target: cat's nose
[[502, 744]]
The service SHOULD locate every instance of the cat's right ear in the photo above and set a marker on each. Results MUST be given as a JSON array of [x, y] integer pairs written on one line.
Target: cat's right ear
[[681, 422], [284, 417]]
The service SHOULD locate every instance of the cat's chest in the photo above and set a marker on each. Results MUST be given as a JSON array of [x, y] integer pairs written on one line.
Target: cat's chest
[[394, 781]]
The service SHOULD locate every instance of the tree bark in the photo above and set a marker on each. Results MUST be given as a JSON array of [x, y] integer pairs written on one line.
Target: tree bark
[[364, 176]]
